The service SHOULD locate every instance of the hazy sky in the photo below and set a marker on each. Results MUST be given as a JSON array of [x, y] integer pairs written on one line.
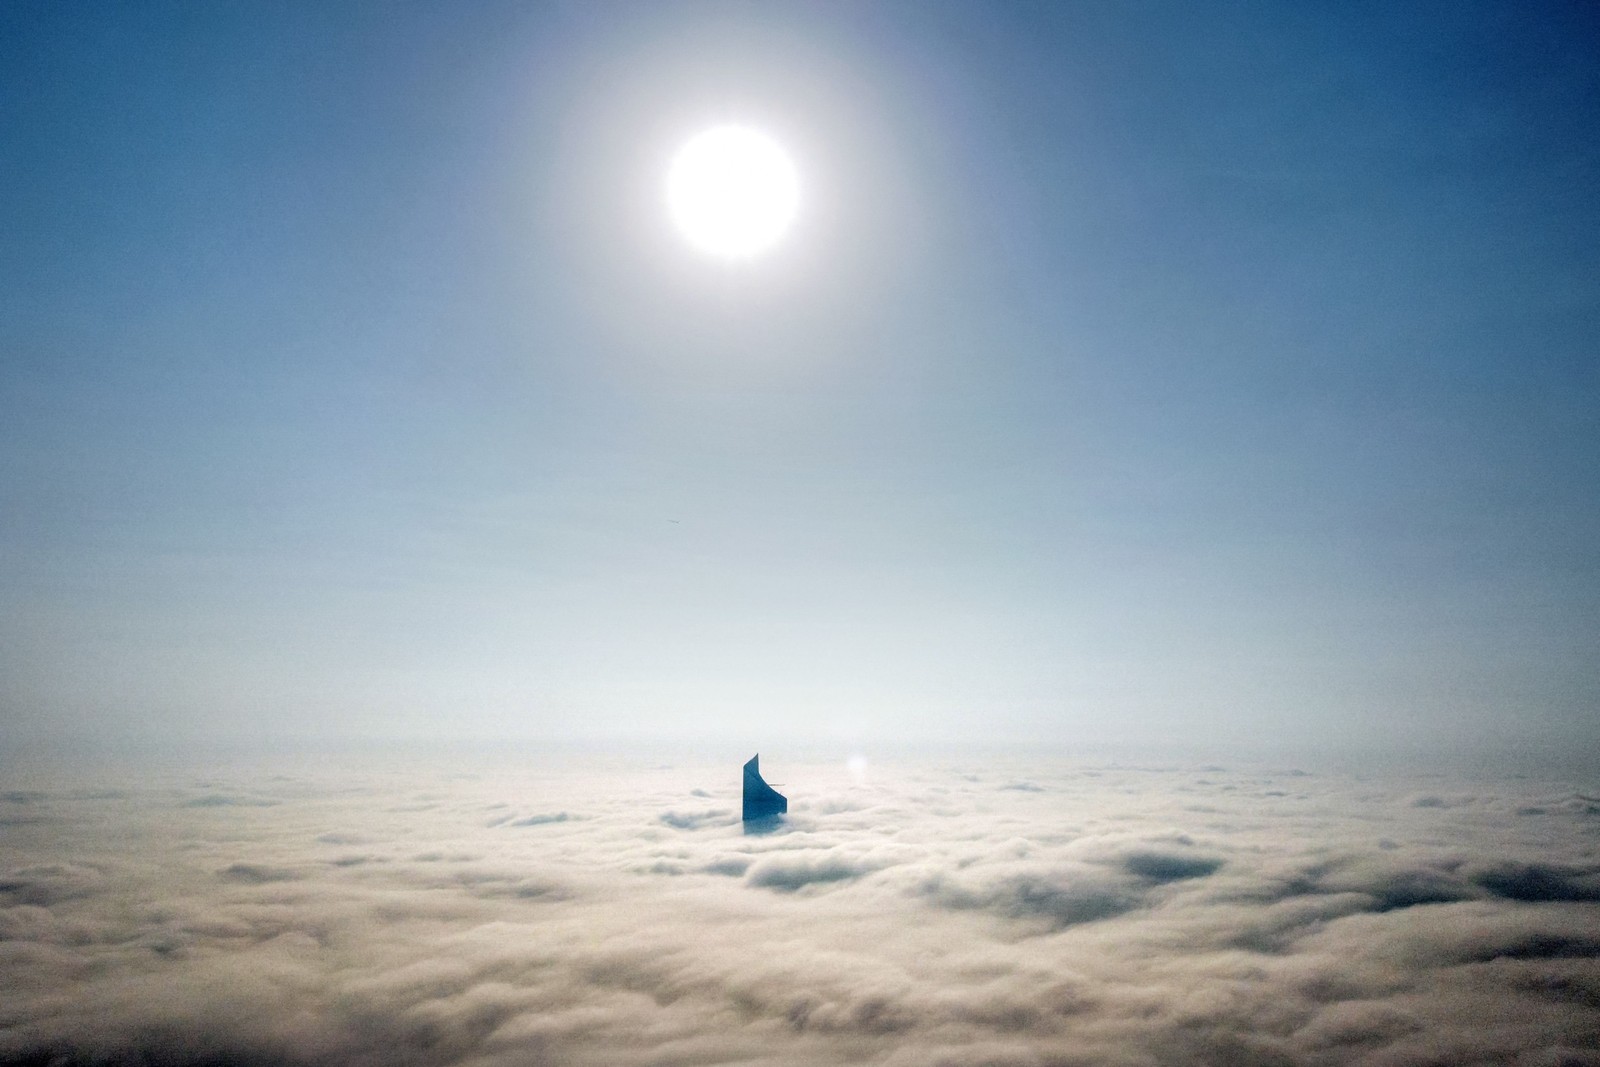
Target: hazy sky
[[1220, 373]]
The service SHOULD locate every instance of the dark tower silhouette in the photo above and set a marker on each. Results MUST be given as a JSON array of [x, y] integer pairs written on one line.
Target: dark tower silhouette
[[761, 801]]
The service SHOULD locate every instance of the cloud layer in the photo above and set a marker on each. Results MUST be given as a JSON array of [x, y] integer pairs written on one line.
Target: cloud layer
[[920, 914]]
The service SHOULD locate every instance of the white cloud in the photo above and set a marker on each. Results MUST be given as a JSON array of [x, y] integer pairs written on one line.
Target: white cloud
[[934, 914]]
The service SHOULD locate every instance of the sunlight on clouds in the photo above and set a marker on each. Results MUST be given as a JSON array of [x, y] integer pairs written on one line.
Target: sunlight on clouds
[[953, 911]]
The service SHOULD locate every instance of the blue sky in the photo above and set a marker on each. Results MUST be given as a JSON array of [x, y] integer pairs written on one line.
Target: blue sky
[[1134, 373]]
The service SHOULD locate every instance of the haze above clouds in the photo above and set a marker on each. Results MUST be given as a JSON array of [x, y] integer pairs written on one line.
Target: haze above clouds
[[1132, 373], [1138, 376]]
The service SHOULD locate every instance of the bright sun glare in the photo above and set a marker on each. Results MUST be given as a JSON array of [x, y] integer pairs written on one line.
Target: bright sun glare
[[732, 191]]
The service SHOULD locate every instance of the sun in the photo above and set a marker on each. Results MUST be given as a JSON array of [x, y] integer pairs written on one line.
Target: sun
[[733, 192]]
